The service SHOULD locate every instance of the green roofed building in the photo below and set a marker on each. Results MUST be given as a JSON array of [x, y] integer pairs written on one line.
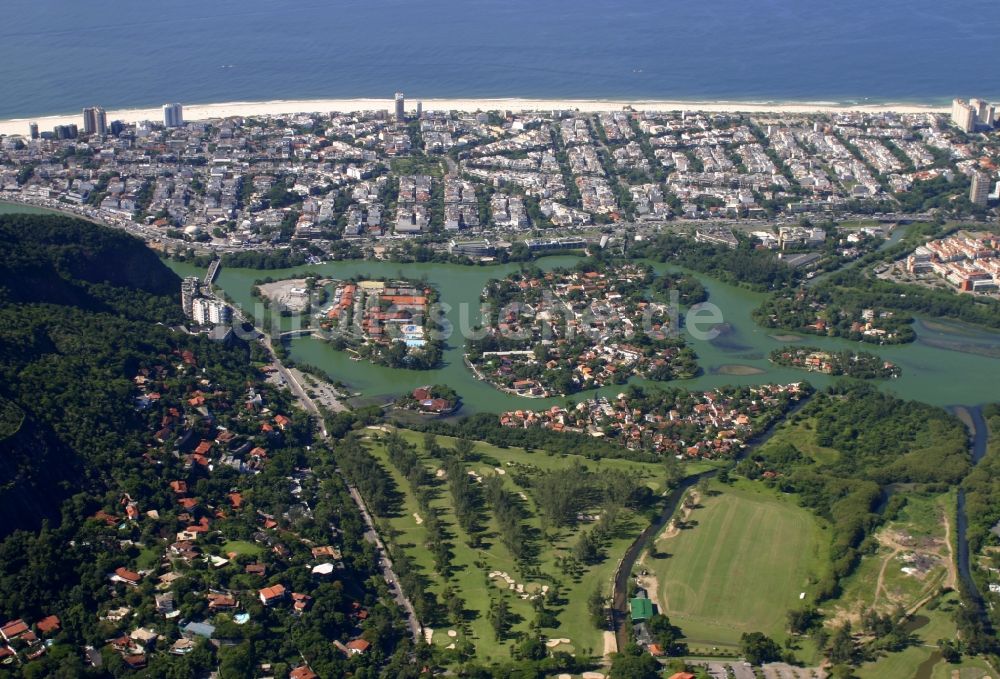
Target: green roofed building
[[642, 609]]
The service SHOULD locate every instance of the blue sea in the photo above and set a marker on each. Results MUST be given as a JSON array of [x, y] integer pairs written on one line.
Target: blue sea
[[57, 56]]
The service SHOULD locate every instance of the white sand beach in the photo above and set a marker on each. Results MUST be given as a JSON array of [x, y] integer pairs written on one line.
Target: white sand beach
[[285, 107]]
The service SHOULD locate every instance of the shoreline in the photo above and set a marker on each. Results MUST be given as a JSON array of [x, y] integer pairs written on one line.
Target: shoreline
[[194, 112]]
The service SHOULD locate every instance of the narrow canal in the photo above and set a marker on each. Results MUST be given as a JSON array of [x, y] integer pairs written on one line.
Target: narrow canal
[[979, 433]]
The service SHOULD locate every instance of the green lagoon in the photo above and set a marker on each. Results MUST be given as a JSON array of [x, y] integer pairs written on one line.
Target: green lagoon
[[949, 364], [13, 208]]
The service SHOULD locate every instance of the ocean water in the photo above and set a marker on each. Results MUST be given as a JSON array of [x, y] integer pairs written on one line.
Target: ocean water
[[57, 56]]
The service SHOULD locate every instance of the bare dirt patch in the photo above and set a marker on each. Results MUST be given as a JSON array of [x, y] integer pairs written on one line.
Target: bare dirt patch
[[290, 294], [610, 645], [672, 529]]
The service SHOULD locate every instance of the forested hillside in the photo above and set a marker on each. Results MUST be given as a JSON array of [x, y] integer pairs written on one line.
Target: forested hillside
[[66, 261], [79, 307], [155, 480]]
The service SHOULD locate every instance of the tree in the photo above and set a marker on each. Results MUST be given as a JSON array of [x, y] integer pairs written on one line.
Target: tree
[[842, 648], [596, 606], [587, 550], [949, 650], [633, 663], [666, 634], [236, 661], [702, 487], [456, 607], [532, 648], [723, 476], [500, 619], [464, 448], [431, 445], [758, 648], [801, 621], [673, 471]]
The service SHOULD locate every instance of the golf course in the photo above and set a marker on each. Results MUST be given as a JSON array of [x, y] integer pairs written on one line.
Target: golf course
[[511, 581]]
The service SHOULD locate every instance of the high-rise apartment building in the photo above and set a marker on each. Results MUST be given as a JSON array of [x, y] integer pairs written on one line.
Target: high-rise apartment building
[[66, 131], [974, 114], [95, 121], [190, 287], [33, 128], [963, 115], [173, 115], [89, 120], [206, 311], [979, 193], [400, 107], [985, 112]]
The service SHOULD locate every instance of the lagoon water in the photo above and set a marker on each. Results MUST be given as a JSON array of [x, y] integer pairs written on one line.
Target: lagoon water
[[57, 56], [949, 364]]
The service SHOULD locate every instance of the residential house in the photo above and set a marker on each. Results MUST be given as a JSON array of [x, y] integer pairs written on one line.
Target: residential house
[[272, 595]]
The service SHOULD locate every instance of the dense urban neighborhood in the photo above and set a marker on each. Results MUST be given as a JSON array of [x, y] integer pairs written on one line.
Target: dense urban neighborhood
[[476, 183], [710, 425], [968, 261]]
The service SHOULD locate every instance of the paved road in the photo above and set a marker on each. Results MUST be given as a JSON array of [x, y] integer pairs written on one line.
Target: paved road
[[385, 563]]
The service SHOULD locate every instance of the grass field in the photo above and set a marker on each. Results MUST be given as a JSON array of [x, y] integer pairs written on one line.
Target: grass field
[[472, 566], [241, 547], [148, 558], [413, 165], [741, 567]]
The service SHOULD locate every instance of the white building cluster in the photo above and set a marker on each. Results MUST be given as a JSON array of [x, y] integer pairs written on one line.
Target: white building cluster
[[972, 115]]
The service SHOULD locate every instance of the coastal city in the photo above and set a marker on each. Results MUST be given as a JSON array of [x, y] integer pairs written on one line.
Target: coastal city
[[474, 183], [499, 340], [407, 392]]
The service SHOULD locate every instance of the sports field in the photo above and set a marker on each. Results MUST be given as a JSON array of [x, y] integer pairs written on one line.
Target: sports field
[[746, 558]]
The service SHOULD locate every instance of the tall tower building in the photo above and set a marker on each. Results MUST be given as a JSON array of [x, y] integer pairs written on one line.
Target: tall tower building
[[66, 131], [33, 128], [420, 110], [400, 107], [173, 115], [979, 194], [189, 292], [95, 121], [982, 110], [963, 115], [988, 116], [89, 120]]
